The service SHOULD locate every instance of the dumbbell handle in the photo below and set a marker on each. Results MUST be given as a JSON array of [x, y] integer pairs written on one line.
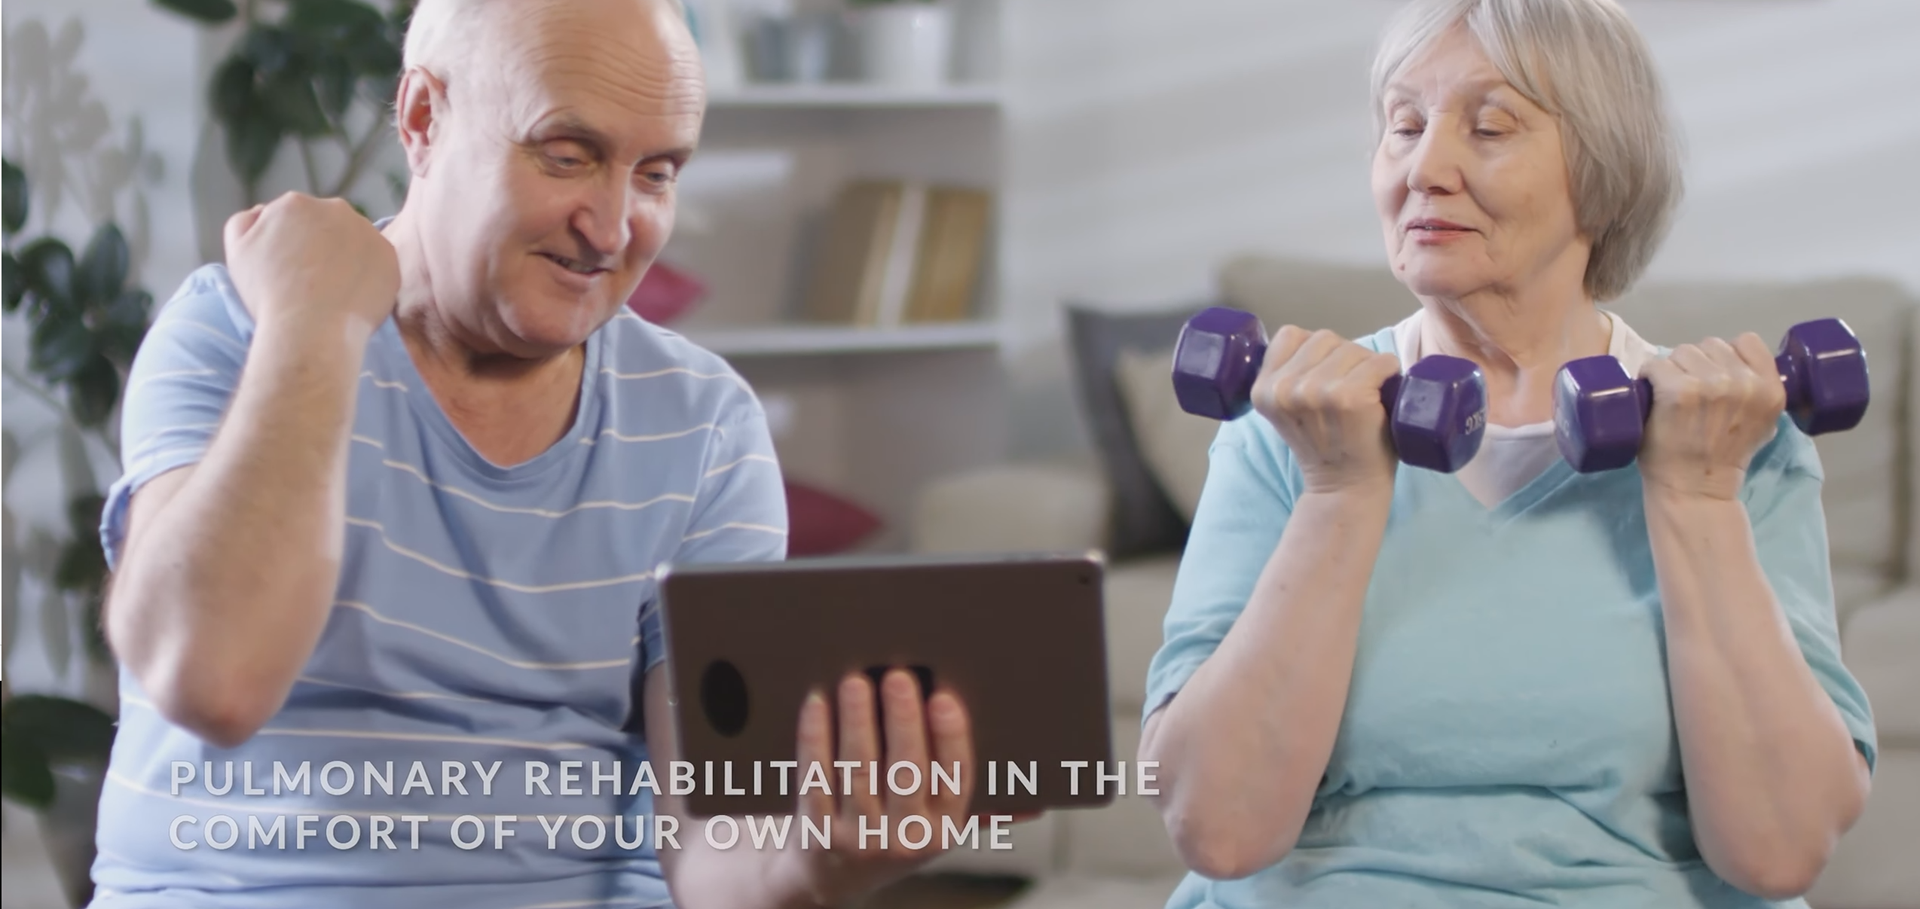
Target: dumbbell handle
[[1242, 366], [1435, 413], [1793, 378], [1844, 404], [1821, 365]]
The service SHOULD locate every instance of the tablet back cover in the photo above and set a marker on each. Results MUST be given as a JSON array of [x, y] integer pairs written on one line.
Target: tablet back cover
[[1020, 639]]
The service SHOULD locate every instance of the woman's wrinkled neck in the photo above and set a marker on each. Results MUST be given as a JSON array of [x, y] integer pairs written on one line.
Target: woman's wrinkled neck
[[1520, 336]]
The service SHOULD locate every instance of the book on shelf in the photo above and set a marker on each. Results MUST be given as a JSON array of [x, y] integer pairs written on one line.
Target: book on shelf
[[897, 253]]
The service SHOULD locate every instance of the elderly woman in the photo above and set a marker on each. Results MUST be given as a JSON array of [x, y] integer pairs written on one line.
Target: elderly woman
[[1517, 685]]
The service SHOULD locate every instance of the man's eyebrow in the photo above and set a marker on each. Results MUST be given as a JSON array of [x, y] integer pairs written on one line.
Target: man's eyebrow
[[572, 126]]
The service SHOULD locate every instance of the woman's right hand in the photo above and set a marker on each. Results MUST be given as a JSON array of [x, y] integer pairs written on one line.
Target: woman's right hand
[[1322, 393]]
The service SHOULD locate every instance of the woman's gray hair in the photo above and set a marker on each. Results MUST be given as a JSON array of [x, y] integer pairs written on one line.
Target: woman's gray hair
[[1584, 62]]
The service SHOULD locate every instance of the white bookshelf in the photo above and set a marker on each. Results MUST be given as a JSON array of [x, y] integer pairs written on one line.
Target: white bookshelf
[[871, 413]]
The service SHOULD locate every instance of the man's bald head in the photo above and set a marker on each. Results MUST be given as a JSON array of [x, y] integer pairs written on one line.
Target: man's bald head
[[544, 139], [445, 36]]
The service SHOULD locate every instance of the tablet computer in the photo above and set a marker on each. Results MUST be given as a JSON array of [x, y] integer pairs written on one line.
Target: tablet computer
[[1020, 639]]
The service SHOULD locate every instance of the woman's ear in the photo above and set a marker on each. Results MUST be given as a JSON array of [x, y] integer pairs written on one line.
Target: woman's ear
[[418, 109]]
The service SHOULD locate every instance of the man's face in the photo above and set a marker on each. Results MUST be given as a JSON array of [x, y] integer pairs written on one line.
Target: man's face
[[551, 179]]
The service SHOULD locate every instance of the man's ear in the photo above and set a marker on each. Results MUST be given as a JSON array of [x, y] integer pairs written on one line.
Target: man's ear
[[418, 109]]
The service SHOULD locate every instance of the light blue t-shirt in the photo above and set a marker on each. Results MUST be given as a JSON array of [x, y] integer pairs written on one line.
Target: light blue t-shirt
[[1508, 738], [483, 614]]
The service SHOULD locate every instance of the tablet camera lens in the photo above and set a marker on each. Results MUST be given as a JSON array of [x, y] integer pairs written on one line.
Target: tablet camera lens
[[723, 694]]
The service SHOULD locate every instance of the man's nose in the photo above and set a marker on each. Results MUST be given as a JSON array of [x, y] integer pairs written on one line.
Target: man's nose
[[602, 217]]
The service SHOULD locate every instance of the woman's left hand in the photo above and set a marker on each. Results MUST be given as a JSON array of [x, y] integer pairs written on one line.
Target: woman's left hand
[[1714, 405]]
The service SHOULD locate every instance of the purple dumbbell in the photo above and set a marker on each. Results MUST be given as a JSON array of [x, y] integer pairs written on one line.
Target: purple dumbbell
[[1437, 412], [1600, 413]]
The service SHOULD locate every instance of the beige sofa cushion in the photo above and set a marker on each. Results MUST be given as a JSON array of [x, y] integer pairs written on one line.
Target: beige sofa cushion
[[1881, 647], [1137, 594], [1173, 442], [1870, 869], [1351, 300]]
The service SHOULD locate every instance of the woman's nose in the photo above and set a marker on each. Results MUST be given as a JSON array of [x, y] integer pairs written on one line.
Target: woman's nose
[[1434, 165]]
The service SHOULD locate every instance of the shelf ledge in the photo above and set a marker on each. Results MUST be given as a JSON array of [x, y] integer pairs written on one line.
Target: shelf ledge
[[814, 340]]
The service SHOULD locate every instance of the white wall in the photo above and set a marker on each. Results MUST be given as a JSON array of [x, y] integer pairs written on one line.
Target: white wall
[[1149, 140]]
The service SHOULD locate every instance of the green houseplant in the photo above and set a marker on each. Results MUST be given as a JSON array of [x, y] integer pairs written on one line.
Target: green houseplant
[[86, 323], [294, 74]]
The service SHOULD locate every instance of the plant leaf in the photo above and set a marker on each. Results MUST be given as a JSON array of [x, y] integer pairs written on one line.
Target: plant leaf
[[295, 105], [270, 50], [48, 265], [24, 774], [61, 345], [335, 80], [92, 392], [376, 55], [83, 514], [103, 267], [123, 325], [251, 142], [16, 281], [13, 197], [61, 729], [231, 94], [329, 15], [211, 12], [83, 565]]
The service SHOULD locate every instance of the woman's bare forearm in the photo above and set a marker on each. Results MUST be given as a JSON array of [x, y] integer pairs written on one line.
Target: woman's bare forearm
[[1773, 778], [228, 574], [1245, 744]]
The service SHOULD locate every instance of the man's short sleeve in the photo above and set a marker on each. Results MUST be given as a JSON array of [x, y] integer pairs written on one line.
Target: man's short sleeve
[[182, 379], [1790, 536], [739, 514], [1243, 509]]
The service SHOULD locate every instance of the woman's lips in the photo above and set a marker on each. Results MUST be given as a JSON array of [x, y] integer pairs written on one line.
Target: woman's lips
[[1428, 231]]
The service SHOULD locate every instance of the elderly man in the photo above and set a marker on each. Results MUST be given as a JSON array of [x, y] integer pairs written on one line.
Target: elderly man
[[393, 498]]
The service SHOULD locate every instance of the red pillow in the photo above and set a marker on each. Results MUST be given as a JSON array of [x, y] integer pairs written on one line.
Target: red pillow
[[821, 523], [665, 293]]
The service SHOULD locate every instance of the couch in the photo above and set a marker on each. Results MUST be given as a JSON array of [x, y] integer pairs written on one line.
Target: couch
[[1131, 499]]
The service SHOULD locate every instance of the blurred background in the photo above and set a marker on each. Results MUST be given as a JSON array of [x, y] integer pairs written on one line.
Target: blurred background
[[948, 243]]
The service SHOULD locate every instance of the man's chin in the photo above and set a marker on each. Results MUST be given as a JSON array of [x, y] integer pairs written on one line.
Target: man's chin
[[551, 329]]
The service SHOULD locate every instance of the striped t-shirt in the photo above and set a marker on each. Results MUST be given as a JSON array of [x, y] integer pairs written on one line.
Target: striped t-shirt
[[484, 614]]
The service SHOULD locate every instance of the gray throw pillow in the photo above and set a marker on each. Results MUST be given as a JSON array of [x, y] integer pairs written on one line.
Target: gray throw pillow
[[1144, 520]]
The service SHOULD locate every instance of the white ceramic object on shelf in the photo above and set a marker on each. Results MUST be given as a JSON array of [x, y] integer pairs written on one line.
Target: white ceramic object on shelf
[[718, 37], [907, 44]]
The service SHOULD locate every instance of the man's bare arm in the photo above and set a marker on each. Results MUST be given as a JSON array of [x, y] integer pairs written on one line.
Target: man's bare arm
[[229, 567]]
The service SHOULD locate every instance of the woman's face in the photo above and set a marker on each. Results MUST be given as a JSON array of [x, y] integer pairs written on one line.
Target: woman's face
[[1471, 181]]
